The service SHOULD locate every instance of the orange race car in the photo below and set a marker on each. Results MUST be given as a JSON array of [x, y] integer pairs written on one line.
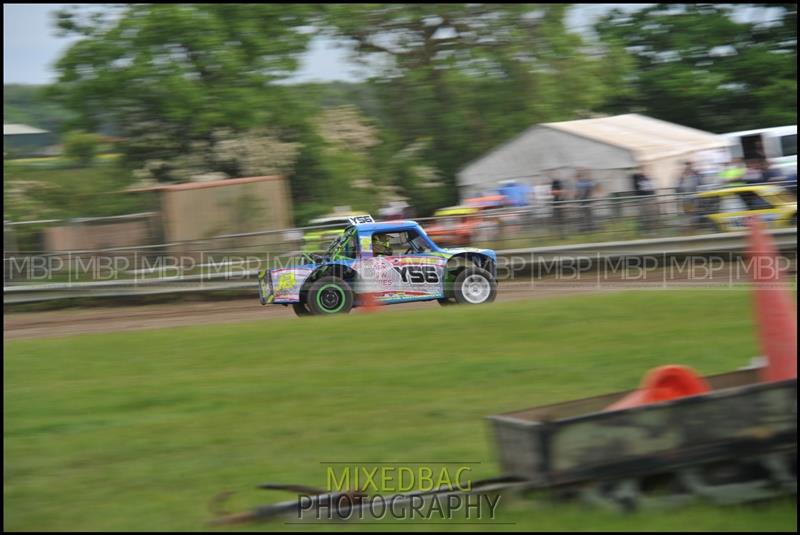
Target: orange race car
[[460, 226]]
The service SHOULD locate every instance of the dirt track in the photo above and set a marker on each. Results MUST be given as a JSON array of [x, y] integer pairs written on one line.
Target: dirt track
[[18, 325], [104, 319]]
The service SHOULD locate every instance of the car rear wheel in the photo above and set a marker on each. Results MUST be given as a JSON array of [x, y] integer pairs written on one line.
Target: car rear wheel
[[708, 225], [301, 309], [474, 286], [330, 295]]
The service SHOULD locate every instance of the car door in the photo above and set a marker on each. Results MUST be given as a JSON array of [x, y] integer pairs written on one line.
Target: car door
[[732, 212], [411, 271]]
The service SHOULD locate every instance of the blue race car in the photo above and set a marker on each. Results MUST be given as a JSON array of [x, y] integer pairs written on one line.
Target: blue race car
[[394, 262]]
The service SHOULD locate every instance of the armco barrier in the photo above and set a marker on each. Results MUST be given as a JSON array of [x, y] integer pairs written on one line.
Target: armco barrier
[[731, 242]]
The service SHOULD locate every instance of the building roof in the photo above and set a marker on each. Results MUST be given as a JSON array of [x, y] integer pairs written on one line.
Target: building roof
[[21, 129]]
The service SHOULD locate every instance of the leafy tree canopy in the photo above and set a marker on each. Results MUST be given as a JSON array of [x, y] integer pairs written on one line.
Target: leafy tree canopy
[[700, 65]]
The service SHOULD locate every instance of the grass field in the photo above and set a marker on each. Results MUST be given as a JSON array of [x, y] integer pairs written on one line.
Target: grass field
[[138, 430]]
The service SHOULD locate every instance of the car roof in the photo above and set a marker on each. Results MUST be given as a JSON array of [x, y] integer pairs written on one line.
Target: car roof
[[388, 226], [763, 188], [456, 210]]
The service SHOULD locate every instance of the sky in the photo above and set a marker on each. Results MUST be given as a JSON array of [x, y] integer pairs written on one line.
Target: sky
[[31, 46]]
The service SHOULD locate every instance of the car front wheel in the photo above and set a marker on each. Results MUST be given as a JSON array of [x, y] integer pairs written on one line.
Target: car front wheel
[[474, 286], [330, 295]]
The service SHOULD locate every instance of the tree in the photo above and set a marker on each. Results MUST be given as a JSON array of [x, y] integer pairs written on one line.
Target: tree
[[168, 75], [469, 76], [81, 146], [227, 154], [702, 66], [27, 104]]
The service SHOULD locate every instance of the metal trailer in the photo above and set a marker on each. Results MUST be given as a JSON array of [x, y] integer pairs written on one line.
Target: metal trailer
[[736, 443]]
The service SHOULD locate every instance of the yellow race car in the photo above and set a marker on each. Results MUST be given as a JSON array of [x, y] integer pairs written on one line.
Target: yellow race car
[[727, 209]]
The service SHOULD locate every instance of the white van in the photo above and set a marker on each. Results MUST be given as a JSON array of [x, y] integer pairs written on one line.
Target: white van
[[778, 145]]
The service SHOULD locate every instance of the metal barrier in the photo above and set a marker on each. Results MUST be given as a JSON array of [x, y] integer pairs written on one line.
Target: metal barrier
[[733, 242], [597, 221]]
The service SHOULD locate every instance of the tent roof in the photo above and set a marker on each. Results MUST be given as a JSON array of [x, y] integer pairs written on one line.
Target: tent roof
[[19, 129], [601, 143], [648, 138]]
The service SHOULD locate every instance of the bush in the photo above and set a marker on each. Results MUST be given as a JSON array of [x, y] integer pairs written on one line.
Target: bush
[[81, 146]]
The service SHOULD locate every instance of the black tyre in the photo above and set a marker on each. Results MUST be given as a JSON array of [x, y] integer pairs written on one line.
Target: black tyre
[[474, 286], [446, 302], [330, 295], [708, 225], [301, 309]]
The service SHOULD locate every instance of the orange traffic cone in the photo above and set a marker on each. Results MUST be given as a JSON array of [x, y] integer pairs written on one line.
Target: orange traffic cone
[[662, 384], [370, 302], [776, 315]]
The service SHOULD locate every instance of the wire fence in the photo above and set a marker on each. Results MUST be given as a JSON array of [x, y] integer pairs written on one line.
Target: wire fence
[[545, 223]]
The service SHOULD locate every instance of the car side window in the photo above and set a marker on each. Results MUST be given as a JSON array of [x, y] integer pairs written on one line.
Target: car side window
[[399, 243], [732, 203], [754, 201]]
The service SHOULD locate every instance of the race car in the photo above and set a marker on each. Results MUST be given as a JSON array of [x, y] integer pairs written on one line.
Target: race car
[[456, 226], [727, 209], [386, 263]]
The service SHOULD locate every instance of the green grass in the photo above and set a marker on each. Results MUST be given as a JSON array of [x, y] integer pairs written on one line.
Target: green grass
[[138, 430]]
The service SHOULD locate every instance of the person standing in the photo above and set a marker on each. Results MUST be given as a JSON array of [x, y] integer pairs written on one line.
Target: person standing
[[584, 189], [643, 187], [770, 173], [734, 173], [558, 196], [688, 186]]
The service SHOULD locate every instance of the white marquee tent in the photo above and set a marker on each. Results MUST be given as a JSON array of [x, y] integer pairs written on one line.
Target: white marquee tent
[[610, 148]]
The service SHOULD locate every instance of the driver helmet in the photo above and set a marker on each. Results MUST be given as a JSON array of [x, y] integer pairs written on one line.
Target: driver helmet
[[380, 244]]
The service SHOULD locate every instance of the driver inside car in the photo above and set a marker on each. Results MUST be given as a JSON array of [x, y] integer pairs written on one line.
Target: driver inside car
[[381, 245]]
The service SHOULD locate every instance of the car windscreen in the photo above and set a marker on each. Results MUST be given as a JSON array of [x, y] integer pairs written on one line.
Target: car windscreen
[[419, 243]]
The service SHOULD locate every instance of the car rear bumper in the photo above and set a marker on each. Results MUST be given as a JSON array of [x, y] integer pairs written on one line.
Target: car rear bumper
[[265, 294]]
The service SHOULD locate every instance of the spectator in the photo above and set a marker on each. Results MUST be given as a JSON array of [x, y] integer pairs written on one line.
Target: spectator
[[690, 180], [643, 187], [734, 173], [770, 173], [642, 184], [517, 194], [558, 195], [754, 173], [688, 185], [790, 184], [584, 189]]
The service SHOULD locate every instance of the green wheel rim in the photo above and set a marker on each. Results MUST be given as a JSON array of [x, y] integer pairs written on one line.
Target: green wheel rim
[[336, 289]]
